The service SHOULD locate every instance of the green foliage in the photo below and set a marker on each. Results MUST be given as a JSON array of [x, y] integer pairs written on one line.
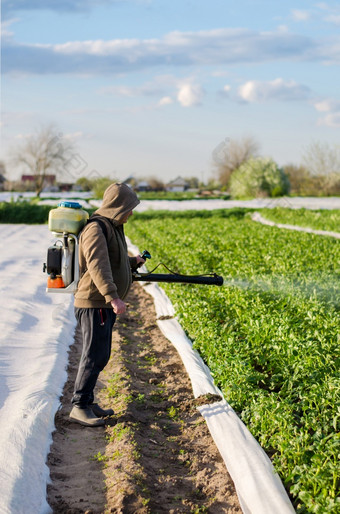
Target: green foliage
[[85, 183], [100, 184], [166, 195], [270, 336], [26, 212], [100, 458], [318, 219], [23, 212], [176, 195], [236, 212], [258, 177]]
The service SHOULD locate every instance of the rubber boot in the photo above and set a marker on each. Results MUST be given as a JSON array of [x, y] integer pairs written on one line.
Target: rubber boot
[[99, 412], [85, 417]]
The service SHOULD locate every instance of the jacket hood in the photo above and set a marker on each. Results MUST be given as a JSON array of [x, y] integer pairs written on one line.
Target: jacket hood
[[118, 200]]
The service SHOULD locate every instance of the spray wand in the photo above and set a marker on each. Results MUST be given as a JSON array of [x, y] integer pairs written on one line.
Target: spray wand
[[173, 277]]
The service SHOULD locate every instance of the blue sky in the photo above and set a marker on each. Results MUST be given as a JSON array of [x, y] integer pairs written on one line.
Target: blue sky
[[152, 87]]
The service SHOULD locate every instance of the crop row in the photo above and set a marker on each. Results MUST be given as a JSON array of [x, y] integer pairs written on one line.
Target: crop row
[[270, 335], [318, 219]]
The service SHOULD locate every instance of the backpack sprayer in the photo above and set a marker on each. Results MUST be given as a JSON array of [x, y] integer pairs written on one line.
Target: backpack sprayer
[[62, 264]]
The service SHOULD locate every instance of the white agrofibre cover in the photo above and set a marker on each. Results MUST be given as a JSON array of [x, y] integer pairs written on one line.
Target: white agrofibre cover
[[36, 330]]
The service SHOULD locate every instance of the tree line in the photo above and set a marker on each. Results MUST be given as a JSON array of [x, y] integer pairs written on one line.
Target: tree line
[[238, 168]]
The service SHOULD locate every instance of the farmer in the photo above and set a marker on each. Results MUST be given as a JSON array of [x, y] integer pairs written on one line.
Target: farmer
[[105, 279]]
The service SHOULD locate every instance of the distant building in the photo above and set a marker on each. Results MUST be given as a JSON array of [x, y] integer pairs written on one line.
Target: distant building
[[49, 180], [142, 186], [65, 186], [177, 185]]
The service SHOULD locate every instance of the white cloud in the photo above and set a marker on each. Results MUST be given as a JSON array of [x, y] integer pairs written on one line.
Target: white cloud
[[323, 6], [278, 89], [331, 120], [210, 47], [147, 89], [224, 92], [190, 94], [333, 18], [5, 25], [53, 5], [299, 15], [184, 90], [327, 105], [76, 136], [332, 107], [220, 73], [166, 100]]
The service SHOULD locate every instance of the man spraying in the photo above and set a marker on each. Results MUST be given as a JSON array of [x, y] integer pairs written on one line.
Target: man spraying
[[105, 279]]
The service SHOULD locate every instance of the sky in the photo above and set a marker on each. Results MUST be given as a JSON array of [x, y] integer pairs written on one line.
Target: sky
[[159, 87]]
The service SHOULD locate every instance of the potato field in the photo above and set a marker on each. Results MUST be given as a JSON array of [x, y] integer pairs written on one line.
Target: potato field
[[318, 219], [270, 335]]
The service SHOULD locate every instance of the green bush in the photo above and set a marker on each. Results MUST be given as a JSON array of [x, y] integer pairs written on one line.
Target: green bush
[[24, 212], [257, 178], [100, 185]]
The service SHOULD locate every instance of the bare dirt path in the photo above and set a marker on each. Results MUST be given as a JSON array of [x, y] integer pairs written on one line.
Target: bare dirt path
[[156, 454]]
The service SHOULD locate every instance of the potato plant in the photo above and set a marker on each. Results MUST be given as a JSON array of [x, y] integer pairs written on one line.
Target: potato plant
[[318, 219], [270, 335]]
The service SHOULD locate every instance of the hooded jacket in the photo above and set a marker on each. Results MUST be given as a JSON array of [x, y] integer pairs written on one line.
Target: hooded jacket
[[104, 265]]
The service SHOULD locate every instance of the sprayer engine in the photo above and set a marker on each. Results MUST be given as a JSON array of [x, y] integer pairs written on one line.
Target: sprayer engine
[[61, 265]]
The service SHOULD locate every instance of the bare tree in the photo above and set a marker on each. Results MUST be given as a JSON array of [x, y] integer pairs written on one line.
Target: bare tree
[[43, 153], [230, 154], [322, 159], [299, 178], [323, 163]]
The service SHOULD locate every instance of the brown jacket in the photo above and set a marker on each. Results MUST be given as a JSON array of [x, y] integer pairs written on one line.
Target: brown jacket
[[104, 265]]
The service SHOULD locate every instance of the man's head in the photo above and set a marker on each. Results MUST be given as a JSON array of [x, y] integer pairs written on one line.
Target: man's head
[[119, 200]]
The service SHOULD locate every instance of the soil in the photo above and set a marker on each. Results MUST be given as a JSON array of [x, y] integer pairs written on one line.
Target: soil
[[155, 454]]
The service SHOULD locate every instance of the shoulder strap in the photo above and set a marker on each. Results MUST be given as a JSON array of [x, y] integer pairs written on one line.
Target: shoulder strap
[[101, 223]]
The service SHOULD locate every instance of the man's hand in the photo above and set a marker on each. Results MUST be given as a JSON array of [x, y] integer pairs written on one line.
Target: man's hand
[[140, 260], [119, 307]]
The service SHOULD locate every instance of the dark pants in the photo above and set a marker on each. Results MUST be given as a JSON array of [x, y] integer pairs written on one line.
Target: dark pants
[[94, 328]]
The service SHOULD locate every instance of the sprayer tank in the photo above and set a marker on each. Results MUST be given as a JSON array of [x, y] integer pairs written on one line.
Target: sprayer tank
[[67, 217]]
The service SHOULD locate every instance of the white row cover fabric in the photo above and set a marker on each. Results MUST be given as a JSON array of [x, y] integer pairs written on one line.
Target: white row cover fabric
[[256, 216], [258, 486], [36, 331]]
